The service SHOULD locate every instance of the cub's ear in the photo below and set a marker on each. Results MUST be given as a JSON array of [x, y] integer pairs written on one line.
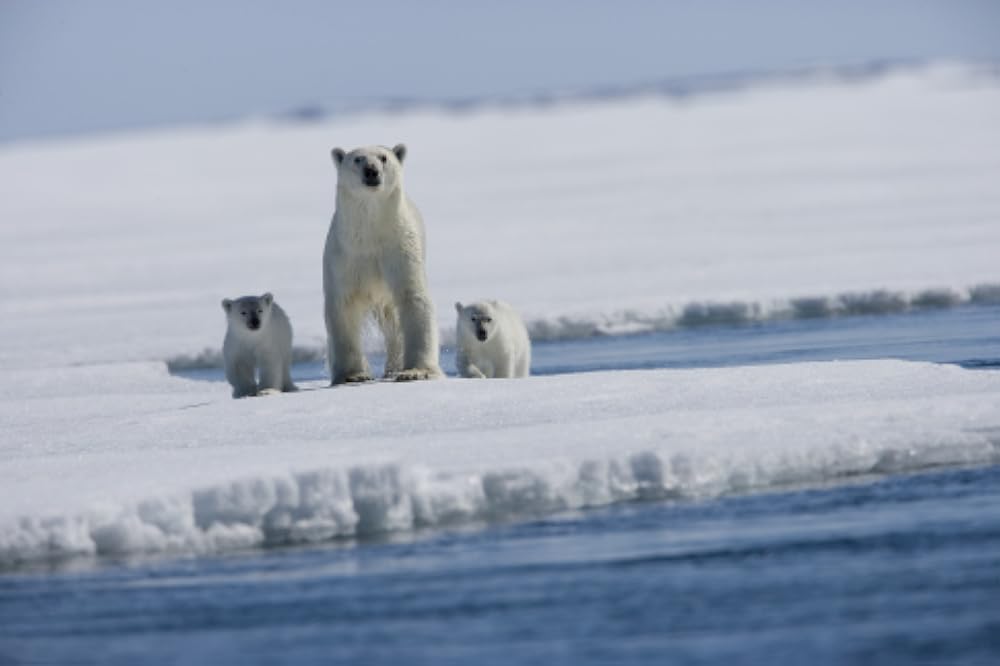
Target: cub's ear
[[227, 304], [338, 156], [267, 298], [458, 307], [400, 151]]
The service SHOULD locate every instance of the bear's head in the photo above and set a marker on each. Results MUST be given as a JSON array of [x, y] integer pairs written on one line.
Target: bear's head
[[476, 320], [374, 170], [248, 314]]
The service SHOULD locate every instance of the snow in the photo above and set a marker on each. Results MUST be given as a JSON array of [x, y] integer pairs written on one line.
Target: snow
[[819, 199], [125, 459]]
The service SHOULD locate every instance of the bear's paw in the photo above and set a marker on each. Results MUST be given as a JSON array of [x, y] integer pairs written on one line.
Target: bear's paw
[[416, 374], [358, 378]]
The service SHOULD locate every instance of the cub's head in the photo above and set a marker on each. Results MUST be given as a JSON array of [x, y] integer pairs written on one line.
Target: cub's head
[[476, 320], [248, 314], [371, 170]]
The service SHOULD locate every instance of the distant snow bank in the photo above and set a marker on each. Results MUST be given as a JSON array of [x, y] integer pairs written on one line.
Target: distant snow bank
[[691, 315], [826, 197], [201, 473], [709, 313]]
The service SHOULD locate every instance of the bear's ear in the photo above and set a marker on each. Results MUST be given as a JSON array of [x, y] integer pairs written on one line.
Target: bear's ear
[[399, 150], [458, 307], [267, 298], [227, 304], [338, 156]]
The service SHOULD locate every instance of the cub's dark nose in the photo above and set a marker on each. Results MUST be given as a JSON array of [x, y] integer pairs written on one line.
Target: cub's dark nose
[[253, 324], [481, 334]]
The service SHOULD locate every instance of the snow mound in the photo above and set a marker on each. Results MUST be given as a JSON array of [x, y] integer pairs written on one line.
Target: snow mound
[[200, 473]]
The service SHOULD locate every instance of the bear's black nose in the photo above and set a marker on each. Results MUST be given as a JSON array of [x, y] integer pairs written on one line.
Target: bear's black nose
[[371, 173], [254, 324], [481, 334]]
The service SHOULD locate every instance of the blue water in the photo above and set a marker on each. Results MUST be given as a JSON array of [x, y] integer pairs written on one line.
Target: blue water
[[881, 570], [968, 336]]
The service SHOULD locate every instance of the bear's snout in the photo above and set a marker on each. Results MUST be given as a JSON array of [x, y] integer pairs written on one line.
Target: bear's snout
[[481, 333], [253, 324], [371, 176]]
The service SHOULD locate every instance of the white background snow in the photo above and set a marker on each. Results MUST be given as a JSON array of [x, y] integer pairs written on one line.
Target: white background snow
[[608, 215]]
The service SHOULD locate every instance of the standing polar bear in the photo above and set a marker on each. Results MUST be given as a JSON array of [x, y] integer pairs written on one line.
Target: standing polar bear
[[258, 337], [373, 263], [492, 341]]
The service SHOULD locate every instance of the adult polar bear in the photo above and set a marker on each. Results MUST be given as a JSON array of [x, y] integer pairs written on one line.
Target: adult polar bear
[[374, 263]]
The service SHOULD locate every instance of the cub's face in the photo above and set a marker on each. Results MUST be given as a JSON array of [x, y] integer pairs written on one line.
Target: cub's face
[[476, 320], [371, 170], [248, 314]]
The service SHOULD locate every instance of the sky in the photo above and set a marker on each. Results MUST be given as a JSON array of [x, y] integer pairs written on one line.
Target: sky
[[69, 67]]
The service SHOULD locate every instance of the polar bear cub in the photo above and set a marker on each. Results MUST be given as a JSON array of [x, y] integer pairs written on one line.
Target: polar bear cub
[[492, 341], [258, 338], [373, 264]]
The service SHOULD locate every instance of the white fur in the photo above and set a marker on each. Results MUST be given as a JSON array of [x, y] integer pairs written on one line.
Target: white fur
[[373, 263], [506, 352], [268, 349]]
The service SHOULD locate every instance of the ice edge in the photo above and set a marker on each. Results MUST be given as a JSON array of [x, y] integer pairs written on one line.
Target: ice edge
[[323, 505]]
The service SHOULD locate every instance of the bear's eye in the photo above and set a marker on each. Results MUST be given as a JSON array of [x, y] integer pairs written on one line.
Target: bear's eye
[[260, 312], [357, 160], [243, 312], [382, 157]]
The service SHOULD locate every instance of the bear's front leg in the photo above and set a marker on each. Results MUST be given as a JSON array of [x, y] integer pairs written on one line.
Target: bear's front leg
[[343, 329], [240, 375], [388, 321], [416, 315], [504, 368], [472, 372], [273, 373], [420, 344], [467, 368]]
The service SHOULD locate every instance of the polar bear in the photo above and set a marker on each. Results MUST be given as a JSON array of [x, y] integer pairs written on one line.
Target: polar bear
[[373, 263], [492, 341], [258, 337]]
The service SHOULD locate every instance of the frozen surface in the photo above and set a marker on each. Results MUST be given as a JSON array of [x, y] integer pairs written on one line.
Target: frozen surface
[[126, 458], [820, 199]]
